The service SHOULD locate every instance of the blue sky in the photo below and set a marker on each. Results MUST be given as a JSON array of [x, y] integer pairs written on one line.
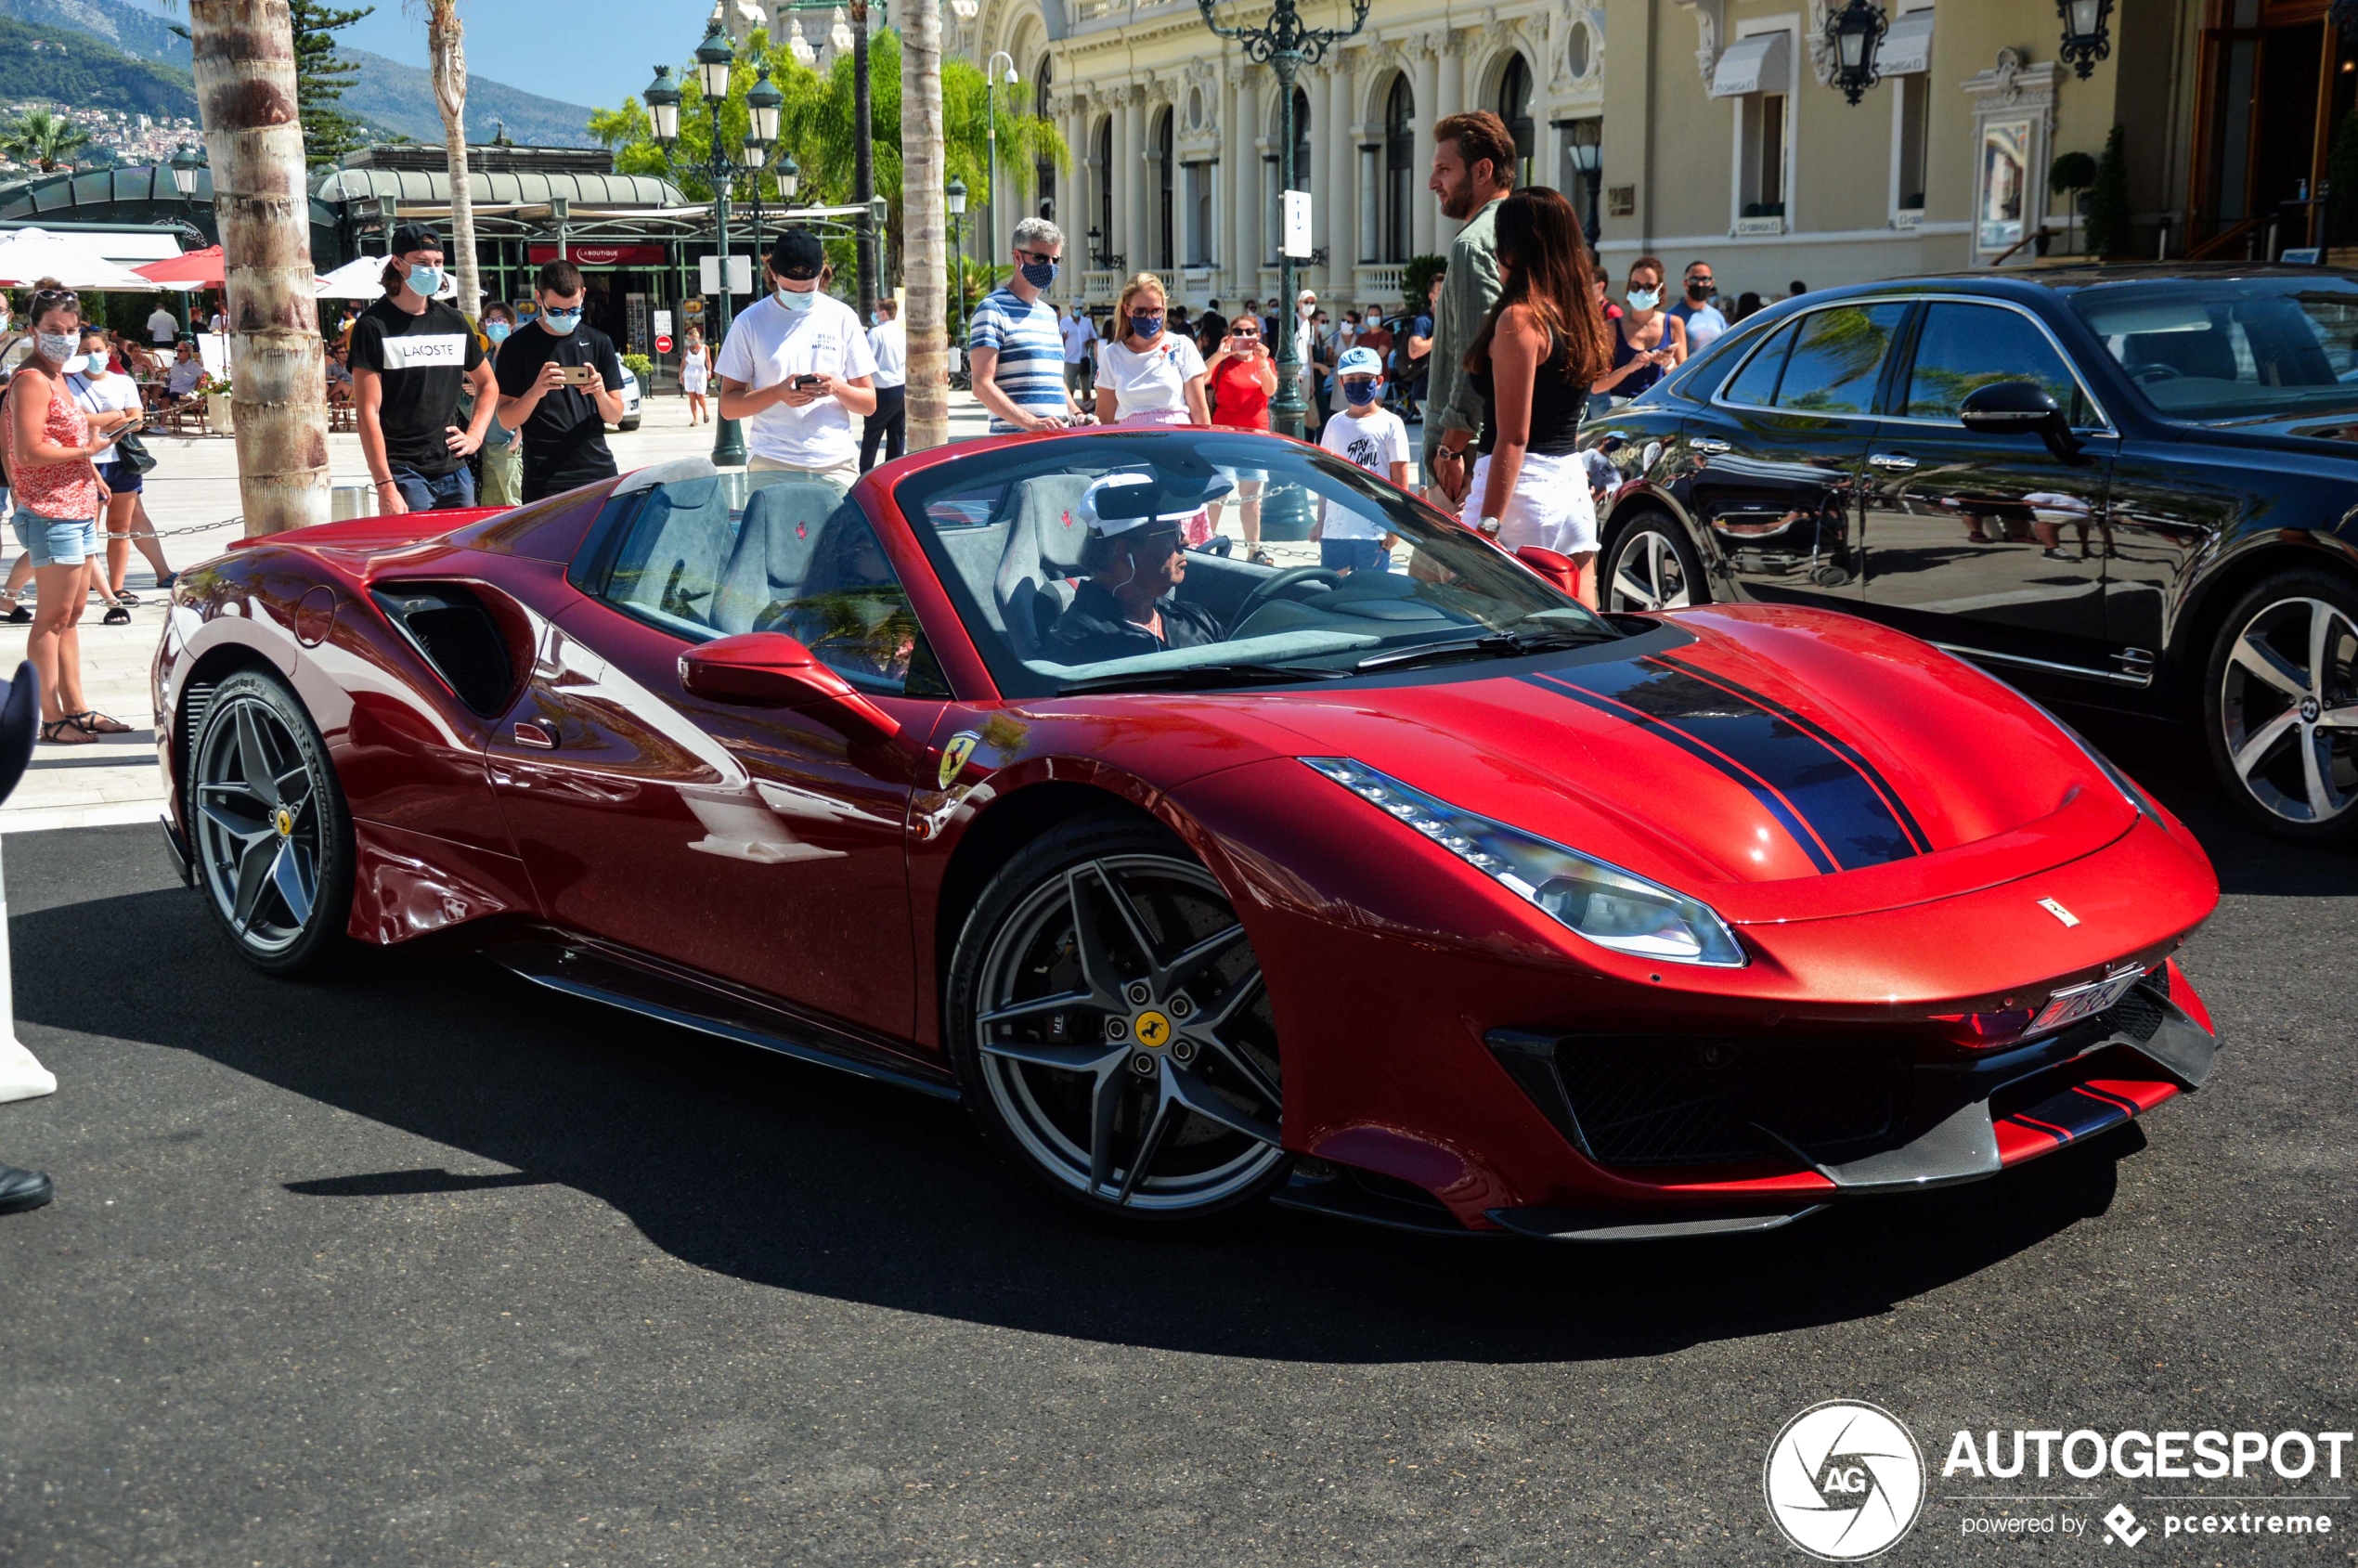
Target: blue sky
[[594, 52]]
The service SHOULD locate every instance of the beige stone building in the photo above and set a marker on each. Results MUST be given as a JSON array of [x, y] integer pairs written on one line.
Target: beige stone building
[[1713, 127]]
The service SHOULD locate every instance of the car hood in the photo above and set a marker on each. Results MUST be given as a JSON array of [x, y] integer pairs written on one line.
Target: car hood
[[1785, 764]]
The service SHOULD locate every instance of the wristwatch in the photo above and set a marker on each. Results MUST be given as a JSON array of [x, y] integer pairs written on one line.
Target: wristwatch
[[1489, 525]]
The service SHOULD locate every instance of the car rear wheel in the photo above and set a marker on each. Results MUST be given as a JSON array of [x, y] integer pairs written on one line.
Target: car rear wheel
[[1110, 1024], [2281, 706], [1652, 567], [267, 821]]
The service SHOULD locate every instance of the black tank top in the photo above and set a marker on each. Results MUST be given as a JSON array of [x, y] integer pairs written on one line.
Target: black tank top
[[1557, 403]]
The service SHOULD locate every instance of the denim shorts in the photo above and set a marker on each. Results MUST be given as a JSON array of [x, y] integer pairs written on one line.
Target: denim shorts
[[57, 542]]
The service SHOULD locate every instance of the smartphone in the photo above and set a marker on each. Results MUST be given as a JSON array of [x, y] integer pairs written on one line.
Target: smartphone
[[583, 375], [805, 384]]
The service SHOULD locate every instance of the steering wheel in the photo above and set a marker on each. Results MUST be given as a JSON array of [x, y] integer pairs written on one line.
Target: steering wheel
[[2155, 370], [1276, 585]]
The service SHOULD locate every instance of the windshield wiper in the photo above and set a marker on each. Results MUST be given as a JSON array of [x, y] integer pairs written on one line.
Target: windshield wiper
[[1494, 645], [1196, 676]]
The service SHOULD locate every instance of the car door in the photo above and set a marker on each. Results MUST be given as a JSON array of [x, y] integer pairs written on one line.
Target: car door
[[751, 844], [1777, 459], [1989, 543]]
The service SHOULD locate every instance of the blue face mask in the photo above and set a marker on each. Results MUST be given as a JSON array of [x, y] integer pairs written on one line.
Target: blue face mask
[[561, 321], [1644, 299], [497, 331], [1362, 392], [797, 299], [1146, 326], [426, 280], [1039, 274]]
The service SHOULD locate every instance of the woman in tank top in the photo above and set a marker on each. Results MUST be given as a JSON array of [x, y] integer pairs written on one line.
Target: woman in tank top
[[1648, 341], [1531, 363]]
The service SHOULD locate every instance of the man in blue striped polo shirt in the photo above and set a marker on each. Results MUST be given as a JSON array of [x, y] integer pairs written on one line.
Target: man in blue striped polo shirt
[[1015, 349]]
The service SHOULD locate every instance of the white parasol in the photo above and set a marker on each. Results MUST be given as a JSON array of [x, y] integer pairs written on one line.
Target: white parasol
[[27, 255]]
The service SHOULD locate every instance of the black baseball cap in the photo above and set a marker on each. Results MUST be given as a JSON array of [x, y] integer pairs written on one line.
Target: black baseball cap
[[797, 255], [415, 237]]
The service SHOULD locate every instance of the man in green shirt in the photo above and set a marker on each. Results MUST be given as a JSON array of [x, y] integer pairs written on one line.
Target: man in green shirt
[[1473, 167]]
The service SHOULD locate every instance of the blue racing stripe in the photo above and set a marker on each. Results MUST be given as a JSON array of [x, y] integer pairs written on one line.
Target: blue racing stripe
[[1845, 821]]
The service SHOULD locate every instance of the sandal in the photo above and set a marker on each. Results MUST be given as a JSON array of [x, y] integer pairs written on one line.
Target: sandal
[[116, 616], [1261, 557], [124, 596], [92, 722], [66, 732]]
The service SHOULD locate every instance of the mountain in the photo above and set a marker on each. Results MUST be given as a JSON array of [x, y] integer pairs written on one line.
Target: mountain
[[387, 94], [51, 64], [401, 97]]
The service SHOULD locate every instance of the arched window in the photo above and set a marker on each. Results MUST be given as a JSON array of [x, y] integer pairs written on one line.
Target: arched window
[[1399, 170], [1166, 168], [1300, 141], [1043, 169], [1514, 108], [1101, 225]]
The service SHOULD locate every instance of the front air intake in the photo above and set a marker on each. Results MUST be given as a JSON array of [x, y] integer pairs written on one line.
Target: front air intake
[[455, 634]]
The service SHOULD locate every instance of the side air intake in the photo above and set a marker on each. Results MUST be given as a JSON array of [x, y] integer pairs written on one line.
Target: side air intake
[[455, 634]]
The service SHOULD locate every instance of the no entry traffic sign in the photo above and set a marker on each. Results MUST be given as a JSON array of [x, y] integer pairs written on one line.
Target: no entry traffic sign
[[663, 343]]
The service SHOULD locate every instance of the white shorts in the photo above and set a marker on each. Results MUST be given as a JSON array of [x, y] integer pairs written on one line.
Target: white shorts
[[1550, 506]]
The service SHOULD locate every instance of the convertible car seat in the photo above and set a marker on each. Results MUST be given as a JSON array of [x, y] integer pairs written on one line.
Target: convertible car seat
[[686, 529], [1042, 556], [775, 544]]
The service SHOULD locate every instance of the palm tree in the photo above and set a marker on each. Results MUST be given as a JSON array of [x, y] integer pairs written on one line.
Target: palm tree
[[446, 43], [43, 139], [924, 248], [244, 66]]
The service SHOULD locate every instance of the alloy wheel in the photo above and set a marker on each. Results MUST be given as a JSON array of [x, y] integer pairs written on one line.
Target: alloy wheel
[[258, 826], [1123, 1034], [2288, 711], [1648, 575]]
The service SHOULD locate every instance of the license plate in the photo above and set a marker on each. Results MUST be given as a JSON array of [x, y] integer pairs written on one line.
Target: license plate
[[2083, 1002]]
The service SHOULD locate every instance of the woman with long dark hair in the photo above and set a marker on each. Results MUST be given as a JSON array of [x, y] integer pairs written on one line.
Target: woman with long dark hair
[[1539, 349]]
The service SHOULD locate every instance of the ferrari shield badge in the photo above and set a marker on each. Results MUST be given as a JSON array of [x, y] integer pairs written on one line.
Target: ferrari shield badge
[[954, 755]]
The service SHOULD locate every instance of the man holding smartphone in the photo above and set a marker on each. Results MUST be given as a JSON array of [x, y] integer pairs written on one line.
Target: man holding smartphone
[[560, 386], [798, 368]]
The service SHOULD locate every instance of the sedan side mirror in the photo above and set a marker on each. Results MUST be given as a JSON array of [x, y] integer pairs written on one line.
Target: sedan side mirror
[[2020, 408], [770, 669]]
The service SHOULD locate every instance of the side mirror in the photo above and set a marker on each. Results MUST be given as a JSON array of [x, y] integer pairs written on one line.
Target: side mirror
[[1557, 568], [770, 669], [2020, 408]]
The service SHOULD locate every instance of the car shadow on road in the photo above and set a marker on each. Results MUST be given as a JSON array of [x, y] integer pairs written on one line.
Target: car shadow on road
[[787, 1176]]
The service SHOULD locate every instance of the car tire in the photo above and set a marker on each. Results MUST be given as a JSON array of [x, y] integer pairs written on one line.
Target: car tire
[[269, 828], [1652, 566], [628, 426], [1147, 1094], [2280, 706]]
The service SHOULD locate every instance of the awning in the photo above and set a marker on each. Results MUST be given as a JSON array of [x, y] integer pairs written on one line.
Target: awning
[[29, 255], [1762, 63], [133, 248], [1907, 47], [197, 269]]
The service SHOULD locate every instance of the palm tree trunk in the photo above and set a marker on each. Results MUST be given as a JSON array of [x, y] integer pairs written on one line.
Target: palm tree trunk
[[924, 255], [446, 43], [245, 79]]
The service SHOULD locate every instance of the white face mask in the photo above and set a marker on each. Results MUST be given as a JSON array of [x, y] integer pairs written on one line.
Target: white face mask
[[58, 347]]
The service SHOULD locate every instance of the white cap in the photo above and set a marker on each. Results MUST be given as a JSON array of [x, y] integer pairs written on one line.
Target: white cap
[[1181, 508]]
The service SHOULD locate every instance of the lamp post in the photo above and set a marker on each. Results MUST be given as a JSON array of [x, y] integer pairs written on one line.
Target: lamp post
[[761, 134], [715, 59], [1589, 163], [990, 136], [954, 200], [1285, 45], [185, 166], [2086, 39], [1855, 33]]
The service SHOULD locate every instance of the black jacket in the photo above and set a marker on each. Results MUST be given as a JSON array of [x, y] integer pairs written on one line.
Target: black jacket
[[1091, 629]]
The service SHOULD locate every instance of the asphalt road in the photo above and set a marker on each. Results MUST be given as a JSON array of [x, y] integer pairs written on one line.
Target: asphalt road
[[424, 1267]]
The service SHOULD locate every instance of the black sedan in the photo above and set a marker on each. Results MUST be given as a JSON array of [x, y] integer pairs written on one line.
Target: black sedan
[[2134, 486]]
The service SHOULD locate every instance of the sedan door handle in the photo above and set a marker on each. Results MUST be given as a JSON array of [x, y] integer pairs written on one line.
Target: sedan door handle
[[1894, 463], [1709, 446]]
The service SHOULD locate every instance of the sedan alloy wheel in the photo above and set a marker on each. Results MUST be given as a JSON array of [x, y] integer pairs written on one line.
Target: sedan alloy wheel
[[1650, 569], [2289, 708]]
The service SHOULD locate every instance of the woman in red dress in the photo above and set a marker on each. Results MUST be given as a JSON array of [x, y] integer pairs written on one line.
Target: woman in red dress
[[1243, 378]]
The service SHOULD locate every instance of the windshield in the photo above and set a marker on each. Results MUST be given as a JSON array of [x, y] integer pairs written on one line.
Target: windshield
[[2238, 348], [1056, 606]]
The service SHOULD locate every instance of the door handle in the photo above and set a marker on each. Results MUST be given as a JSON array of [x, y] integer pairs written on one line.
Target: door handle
[[1893, 462], [538, 737], [1709, 446]]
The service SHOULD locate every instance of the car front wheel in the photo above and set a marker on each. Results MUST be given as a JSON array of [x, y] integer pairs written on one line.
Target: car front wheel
[[2280, 702], [1109, 1023], [267, 821], [1652, 567]]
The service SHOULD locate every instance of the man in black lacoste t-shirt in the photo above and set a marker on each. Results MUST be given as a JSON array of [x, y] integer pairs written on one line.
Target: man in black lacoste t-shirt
[[411, 357]]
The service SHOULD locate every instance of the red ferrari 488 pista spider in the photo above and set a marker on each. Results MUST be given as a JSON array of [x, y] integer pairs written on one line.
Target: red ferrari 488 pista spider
[[1420, 894]]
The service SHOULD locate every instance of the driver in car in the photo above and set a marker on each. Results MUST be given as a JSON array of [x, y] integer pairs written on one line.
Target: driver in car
[[1136, 558]]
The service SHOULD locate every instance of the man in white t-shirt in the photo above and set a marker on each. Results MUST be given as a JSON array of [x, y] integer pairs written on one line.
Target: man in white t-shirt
[[1081, 336], [162, 327], [798, 369], [1373, 436], [889, 342]]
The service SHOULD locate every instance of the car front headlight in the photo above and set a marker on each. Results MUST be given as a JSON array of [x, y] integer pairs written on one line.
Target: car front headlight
[[1600, 902]]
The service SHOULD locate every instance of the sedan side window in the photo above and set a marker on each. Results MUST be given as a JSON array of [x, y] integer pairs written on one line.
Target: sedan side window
[[1838, 358], [1965, 347], [1754, 387]]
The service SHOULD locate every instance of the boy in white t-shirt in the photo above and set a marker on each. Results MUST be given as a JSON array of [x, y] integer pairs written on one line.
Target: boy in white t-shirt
[[1373, 436]]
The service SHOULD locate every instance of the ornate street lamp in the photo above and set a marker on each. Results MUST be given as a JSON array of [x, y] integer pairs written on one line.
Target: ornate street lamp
[[663, 104], [954, 201], [1285, 45], [1855, 34], [990, 158], [1589, 163], [186, 164], [2086, 38], [714, 60], [761, 134]]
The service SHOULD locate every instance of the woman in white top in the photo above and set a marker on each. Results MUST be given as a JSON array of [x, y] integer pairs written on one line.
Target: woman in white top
[[1148, 376], [696, 374]]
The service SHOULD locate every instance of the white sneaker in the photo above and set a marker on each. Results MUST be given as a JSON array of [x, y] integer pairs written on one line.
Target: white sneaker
[[21, 1075]]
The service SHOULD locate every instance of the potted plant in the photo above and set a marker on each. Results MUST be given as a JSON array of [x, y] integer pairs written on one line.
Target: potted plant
[[215, 393]]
